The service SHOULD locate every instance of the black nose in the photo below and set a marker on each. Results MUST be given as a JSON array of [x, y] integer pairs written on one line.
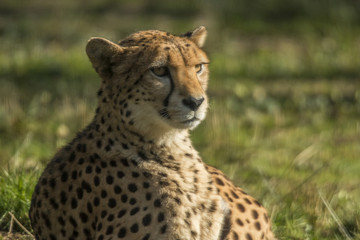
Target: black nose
[[193, 103]]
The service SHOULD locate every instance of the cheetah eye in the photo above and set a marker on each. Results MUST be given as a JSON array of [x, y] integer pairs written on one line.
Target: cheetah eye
[[198, 68], [160, 71]]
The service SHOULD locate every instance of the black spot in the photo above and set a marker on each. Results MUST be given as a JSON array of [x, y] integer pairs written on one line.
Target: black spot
[[89, 207], [43, 181], [219, 182], [81, 161], [63, 197], [257, 226], [109, 230], [124, 146], [213, 207], [146, 220], [164, 183], [86, 186], [109, 179], [255, 214], [142, 155], [112, 203], [121, 213], [234, 195], [103, 213], [96, 201], [52, 183], [128, 113], [235, 236], [132, 187], [239, 222], [135, 174], [148, 196], [124, 198], [87, 233], [74, 175], [72, 157], [147, 237], [61, 221], [134, 211], [96, 181], [84, 217], [38, 204], [132, 201], [240, 207], [125, 162], [248, 237], [53, 203], [122, 233], [157, 203], [88, 169], [146, 185], [103, 164], [81, 148], [117, 189], [163, 229], [103, 194], [161, 217], [120, 174], [90, 136], [99, 143], [266, 217], [73, 222], [147, 174], [193, 233], [110, 218], [79, 193], [257, 203], [247, 201], [46, 193], [73, 203], [177, 200], [99, 227], [134, 228], [107, 148], [64, 176]]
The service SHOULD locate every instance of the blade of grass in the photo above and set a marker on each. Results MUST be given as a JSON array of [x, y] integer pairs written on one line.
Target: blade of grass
[[335, 217]]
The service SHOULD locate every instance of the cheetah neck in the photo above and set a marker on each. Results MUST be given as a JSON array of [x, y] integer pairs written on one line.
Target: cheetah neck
[[147, 136]]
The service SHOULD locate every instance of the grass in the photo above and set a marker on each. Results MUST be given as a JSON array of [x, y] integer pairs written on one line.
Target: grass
[[284, 113]]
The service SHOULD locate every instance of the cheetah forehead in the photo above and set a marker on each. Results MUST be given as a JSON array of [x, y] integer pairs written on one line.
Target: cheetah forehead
[[165, 48]]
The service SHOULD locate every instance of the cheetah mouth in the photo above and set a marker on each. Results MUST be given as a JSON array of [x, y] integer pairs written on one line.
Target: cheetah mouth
[[194, 119]]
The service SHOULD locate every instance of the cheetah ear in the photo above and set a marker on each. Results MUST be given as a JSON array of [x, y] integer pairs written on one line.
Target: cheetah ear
[[198, 36], [102, 54]]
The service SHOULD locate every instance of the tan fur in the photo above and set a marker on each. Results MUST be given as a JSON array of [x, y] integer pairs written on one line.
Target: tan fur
[[133, 173]]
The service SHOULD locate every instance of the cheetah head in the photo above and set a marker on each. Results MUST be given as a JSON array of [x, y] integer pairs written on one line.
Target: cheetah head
[[153, 80]]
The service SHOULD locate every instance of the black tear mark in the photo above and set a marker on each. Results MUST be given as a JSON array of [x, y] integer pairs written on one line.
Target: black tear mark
[[166, 100]]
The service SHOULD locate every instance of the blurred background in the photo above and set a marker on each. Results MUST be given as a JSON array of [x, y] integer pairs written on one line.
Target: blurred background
[[284, 117]]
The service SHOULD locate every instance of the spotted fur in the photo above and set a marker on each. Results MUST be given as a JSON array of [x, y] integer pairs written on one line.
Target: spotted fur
[[132, 173]]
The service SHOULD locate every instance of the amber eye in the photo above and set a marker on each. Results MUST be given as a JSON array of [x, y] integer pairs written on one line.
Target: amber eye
[[160, 71], [198, 68]]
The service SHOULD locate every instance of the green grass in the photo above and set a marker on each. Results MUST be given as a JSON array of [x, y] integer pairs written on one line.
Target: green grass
[[284, 116]]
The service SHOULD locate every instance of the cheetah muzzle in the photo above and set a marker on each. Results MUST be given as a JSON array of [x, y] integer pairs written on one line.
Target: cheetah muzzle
[[132, 173]]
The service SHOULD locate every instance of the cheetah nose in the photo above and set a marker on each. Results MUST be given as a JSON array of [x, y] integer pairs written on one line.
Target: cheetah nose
[[193, 103]]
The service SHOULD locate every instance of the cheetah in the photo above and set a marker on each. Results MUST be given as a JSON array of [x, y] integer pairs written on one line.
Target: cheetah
[[133, 173]]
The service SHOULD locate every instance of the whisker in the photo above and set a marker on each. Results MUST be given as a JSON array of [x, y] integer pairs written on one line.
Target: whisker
[[164, 113]]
